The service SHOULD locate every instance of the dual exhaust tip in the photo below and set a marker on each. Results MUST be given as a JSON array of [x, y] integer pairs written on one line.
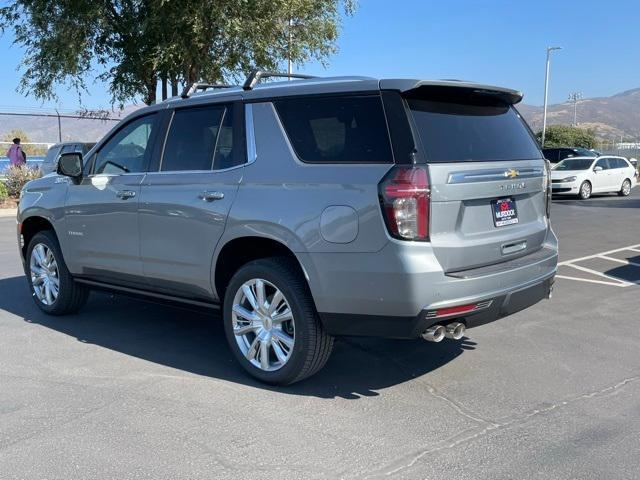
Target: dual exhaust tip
[[437, 333]]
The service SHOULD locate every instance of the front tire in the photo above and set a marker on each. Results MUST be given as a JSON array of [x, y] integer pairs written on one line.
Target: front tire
[[271, 322], [52, 287], [585, 190], [625, 189]]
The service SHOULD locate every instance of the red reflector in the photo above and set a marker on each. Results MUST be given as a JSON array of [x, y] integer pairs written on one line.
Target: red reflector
[[443, 312]]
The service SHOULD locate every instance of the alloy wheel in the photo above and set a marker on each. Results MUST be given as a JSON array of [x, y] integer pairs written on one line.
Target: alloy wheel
[[45, 278], [263, 324]]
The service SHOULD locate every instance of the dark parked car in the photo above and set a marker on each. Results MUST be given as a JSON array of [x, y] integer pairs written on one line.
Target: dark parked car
[[555, 155], [50, 163]]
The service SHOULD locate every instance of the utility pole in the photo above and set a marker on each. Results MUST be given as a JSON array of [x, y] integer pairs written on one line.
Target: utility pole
[[546, 88], [59, 126], [290, 66], [575, 97]]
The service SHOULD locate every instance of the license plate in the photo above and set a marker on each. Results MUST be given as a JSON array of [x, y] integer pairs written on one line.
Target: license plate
[[504, 212]]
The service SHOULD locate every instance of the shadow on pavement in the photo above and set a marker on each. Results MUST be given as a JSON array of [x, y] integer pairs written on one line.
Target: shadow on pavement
[[194, 341]]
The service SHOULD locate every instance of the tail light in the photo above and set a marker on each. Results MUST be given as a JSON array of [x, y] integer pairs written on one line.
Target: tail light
[[547, 187], [404, 197]]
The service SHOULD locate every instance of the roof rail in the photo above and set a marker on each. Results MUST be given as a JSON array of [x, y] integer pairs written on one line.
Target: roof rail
[[256, 75], [194, 87]]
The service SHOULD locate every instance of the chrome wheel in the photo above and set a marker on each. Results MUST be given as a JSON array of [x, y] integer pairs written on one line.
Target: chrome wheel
[[263, 324], [44, 274], [626, 187], [585, 190]]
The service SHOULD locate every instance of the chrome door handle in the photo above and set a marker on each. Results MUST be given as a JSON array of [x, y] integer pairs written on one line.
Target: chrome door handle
[[211, 196], [125, 194]]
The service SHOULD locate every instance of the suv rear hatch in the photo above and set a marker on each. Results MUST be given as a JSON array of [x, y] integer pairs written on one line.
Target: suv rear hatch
[[487, 177]]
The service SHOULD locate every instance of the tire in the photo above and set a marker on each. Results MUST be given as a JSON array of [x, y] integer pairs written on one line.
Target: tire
[[52, 275], [585, 190], [625, 189], [296, 348]]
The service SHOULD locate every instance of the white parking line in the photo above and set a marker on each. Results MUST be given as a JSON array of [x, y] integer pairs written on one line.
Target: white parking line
[[619, 260], [613, 280], [589, 257], [588, 280]]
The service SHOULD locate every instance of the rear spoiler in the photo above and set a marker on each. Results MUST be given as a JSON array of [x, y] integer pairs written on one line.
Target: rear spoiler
[[414, 87]]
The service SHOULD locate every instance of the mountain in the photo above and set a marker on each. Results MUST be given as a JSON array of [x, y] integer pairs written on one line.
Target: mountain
[[610, 117], [45, 128]]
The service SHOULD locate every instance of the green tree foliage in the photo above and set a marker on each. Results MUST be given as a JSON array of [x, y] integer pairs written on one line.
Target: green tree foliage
[[568, 136], [135, 43]]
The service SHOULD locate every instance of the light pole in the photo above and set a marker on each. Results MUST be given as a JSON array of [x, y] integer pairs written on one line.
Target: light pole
[[546, 87], [575, 97]]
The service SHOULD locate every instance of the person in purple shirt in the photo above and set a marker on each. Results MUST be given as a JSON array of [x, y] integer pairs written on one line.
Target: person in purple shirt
[[16, 154]]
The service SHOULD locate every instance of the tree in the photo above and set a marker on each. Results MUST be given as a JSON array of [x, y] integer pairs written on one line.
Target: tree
[[568, 136], [135, 43]]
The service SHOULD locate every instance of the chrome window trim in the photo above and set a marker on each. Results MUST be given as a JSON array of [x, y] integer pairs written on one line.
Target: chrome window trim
[[493, 175], [252, 153]]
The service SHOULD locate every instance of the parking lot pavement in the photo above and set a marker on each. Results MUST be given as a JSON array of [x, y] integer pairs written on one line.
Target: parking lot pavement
[[130, 389]]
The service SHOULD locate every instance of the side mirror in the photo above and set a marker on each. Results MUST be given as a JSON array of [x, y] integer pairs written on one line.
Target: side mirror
[[597, 169], [70, 165]]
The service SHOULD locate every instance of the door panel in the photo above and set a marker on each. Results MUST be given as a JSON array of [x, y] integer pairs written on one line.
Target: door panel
[[603, 180], [102, 209], [102, 225], [184, 207], [182, 217]]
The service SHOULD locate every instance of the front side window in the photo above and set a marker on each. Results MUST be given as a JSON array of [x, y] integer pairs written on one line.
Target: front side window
[[604, 163], [192, 138], [350, 129], [574, 164], [127, 150]]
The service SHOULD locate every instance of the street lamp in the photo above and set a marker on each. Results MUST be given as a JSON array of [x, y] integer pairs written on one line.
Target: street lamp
[[575, 97], [546, 87]]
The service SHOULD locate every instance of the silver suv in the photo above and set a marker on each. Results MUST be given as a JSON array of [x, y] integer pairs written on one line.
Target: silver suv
[[304, 210]]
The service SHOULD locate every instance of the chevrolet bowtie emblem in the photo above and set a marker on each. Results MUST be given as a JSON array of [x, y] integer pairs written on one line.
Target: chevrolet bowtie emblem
[[513, 173]]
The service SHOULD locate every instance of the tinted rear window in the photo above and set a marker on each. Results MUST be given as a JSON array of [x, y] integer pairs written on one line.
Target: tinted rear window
[[336, 129], [474, 132]]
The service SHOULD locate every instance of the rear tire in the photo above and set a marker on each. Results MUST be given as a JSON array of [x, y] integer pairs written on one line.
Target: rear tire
[[271, 322], [53, 289], [625, 189], [585, 190]]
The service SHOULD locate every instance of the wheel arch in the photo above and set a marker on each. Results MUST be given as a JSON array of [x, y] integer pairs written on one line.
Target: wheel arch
[[32, 225], [239, 251]]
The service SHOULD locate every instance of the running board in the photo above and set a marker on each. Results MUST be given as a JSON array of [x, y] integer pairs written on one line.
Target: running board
[[144, 293]]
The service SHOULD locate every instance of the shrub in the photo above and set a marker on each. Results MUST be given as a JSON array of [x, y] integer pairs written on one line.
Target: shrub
[[4, 194], [17, 177]]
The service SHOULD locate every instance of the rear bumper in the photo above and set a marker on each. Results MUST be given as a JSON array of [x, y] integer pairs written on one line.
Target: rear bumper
[[411, 327], [394, 292]]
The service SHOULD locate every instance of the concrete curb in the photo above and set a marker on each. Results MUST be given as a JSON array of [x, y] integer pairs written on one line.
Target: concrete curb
[[8, 212]]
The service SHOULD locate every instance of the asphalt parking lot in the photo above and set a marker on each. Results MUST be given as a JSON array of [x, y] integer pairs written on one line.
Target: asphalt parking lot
[[130, 389]]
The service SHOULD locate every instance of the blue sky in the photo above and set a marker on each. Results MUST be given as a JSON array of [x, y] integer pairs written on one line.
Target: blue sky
[[499, 42]]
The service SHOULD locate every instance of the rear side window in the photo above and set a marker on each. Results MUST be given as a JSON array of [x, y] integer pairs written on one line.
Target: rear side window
[[350, 129], [192, 139], [473, 132]]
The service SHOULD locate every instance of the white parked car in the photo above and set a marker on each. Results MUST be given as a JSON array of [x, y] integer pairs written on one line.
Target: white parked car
[[583, 176]]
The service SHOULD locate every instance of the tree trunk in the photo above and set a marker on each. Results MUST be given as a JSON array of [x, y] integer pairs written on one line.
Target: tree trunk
[[151, 87], [174, 86], [163, 78]]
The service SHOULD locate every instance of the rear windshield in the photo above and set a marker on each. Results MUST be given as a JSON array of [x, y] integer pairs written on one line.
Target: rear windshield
[[574, 164], [472, 132]]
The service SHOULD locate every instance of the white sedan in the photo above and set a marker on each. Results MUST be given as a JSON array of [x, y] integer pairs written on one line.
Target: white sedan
[[583, 176]]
